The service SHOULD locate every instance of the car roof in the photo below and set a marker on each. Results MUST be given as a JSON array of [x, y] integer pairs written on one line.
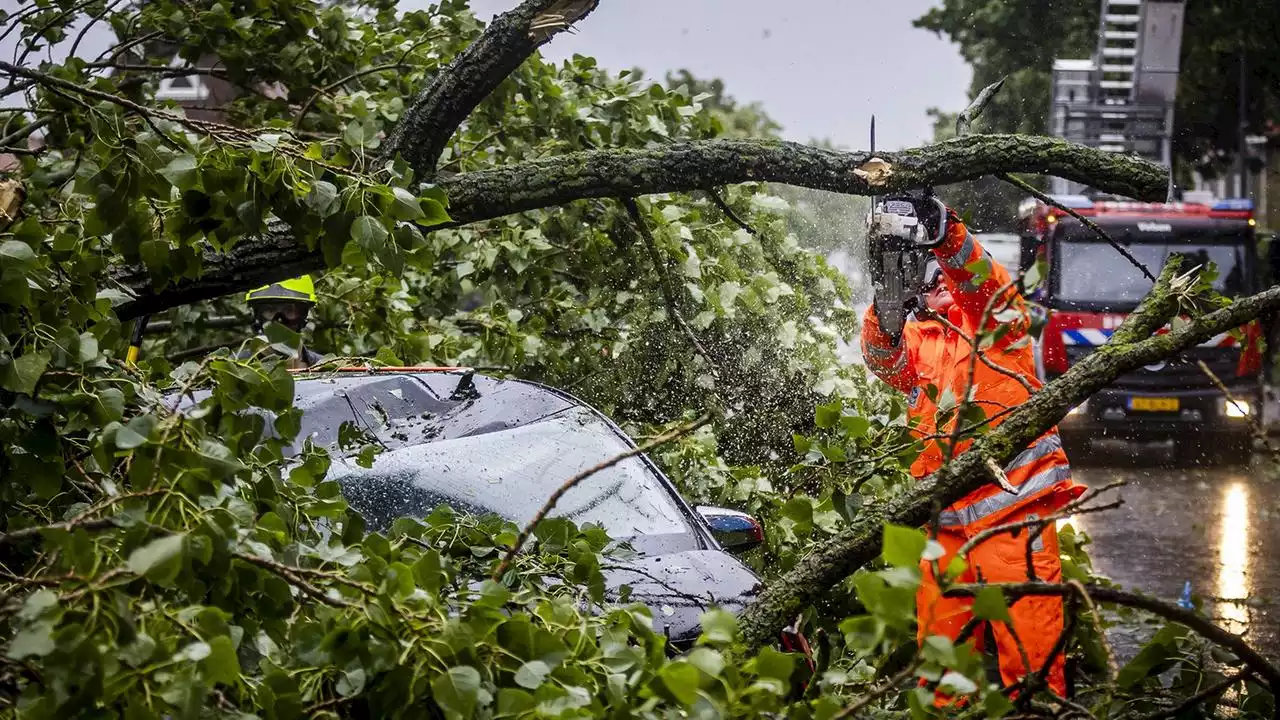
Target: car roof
[[401, 407], [411, 408]]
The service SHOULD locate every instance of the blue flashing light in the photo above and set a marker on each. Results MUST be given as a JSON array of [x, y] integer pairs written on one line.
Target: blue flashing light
[[1075, 202], [1236, 204]]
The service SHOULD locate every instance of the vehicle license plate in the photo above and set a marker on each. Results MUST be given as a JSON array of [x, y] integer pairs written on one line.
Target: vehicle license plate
[[1153, 404]]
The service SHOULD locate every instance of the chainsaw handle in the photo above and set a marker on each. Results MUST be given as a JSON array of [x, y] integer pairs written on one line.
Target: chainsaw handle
[[941, 237]]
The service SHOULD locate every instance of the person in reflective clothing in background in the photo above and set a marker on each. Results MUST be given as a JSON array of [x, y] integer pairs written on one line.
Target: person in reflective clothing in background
[[288, 303], [930, 353]]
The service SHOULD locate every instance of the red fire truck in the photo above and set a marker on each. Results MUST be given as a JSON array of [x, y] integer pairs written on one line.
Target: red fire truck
[[1090, 287]]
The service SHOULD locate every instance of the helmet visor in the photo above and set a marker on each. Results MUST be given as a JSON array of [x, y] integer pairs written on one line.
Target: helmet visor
[[290, 314], [932, 274]]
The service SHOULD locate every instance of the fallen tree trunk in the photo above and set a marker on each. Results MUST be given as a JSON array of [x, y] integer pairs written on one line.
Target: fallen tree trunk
[[1131, 347], [676, 167]]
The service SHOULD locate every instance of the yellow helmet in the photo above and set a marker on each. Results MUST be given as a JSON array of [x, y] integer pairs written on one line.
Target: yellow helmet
[[299, 289]]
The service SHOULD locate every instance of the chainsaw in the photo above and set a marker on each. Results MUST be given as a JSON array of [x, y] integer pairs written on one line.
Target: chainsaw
[[898, 245]]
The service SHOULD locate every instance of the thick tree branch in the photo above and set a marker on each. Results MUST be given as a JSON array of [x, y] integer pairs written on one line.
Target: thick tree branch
[[675, 167], [834, 560], [438, 111], [687, 166], [255, 262]]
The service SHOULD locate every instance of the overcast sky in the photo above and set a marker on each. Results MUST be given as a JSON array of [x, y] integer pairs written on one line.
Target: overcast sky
[[819, 67]]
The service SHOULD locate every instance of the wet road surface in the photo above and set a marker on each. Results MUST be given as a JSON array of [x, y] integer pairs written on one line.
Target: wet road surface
[[1218, 527]]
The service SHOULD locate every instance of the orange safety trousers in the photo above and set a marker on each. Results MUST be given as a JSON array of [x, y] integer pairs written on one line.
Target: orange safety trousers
[[1036, 621]]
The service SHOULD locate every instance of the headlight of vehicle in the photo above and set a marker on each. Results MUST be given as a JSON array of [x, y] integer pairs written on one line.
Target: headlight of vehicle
[[1237, 409]]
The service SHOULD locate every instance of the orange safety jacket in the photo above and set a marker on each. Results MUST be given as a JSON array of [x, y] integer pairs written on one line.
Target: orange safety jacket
[[929, 353]]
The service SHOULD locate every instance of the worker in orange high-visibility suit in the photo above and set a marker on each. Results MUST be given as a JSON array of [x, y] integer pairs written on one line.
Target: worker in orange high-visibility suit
[[931, 353]]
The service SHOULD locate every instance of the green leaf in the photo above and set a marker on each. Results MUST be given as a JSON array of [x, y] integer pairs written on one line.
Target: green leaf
[[88, 348], [111, 401], [707, 660], [352, 682], [989, 604], [863, 633], [1034, 274], [221, 666], [933, 550], [801, 444], [681, 680], [16, 252], [854, 427], [1154, 657], [903, 546], [773, 664], [361, 133], [798, 510], [193, 652], [136, 432], [532, 674], [404, 206], [282, 338], [433, 213], [458, 691], [182, 172], [980, 269], [37, 603], [33, 641], [718, 627], [322, 198], [139, 651], [160, 560], [512, 701], [23, 373], [996, 705], [368, 232], [828, 414]]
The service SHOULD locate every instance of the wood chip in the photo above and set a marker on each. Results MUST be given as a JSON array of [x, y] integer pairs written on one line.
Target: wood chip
[[875, 171]]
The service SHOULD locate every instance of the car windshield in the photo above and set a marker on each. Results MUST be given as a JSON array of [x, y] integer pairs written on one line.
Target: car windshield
[[1093, 272], [511, 473]]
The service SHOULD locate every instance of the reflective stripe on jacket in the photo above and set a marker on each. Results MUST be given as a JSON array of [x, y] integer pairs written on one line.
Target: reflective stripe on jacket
[[932, 354]]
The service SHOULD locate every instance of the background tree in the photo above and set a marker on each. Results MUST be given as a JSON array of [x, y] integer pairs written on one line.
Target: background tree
[[1021, 40]]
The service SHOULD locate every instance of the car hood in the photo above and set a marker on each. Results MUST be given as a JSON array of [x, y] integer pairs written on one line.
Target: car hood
[[679, 586]]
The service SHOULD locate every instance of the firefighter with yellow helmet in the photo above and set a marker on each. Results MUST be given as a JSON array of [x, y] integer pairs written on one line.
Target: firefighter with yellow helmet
[[287, 302]]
